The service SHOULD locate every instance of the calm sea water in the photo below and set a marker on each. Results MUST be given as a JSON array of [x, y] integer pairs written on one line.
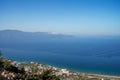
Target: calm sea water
[[101, 57]]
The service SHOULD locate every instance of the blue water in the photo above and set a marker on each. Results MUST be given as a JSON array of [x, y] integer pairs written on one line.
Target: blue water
[[102, 57]]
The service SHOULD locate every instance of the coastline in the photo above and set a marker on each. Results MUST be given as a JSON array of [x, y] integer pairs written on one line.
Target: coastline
[[63, 72], [88, 73], [70, 69]]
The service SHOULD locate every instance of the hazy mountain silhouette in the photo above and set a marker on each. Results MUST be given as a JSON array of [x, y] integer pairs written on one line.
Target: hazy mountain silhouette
[[59, 43], [21, 36]]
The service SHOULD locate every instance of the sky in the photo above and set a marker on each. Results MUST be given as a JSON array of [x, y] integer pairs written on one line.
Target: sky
[[79, 17]]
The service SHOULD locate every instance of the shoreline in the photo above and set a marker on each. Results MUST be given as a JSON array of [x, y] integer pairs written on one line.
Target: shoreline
[[70, 69], [101, 74], [89, 75]]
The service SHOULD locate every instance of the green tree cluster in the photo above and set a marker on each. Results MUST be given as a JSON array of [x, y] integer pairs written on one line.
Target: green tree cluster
[[46, 75], [6, 65]]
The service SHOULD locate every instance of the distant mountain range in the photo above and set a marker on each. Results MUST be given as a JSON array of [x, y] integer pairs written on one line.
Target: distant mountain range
[[58, 43], [21, 36], [17, 36]]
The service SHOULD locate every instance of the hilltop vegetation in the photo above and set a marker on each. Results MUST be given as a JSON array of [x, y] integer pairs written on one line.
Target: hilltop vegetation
[[13, 70], [10, 72]]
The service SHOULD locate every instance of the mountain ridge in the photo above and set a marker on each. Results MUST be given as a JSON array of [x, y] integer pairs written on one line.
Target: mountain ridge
[[17, 35]]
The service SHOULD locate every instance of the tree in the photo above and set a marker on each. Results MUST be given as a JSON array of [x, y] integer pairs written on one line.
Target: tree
[[47, 75], [1, 60], [0, 53], [83, 77]]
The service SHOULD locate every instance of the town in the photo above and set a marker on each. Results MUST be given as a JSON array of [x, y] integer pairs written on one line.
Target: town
[[37, 71]]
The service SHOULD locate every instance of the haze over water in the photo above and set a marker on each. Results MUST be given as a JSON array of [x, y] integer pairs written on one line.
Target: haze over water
[[93, 56], [81, 35]]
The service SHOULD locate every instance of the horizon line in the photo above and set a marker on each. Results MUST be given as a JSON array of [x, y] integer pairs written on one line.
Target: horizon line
[[55, 33]]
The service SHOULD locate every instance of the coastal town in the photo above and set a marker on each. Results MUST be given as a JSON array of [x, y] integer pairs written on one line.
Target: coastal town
[[33, 70], [59, 39]]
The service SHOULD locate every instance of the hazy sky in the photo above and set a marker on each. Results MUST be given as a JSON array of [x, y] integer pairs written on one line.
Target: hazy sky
[[84, 17]]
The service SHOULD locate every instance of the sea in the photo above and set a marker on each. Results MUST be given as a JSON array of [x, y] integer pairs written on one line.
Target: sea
[[99, 56]]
